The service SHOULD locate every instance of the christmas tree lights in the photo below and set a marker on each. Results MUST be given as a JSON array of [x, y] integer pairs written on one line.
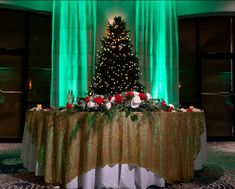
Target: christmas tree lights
[[117, 69]]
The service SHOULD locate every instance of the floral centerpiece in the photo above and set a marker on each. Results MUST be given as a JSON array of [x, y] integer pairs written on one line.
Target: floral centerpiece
[[131, 100], [127, 102]]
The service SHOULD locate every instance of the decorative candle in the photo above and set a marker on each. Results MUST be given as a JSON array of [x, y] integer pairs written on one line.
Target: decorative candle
[[39, 106]]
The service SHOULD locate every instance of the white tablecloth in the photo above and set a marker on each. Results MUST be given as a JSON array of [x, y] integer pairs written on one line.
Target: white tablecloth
[[111, 176]]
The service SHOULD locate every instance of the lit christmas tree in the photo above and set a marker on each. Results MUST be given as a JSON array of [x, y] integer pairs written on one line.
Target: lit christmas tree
[[117, 70]]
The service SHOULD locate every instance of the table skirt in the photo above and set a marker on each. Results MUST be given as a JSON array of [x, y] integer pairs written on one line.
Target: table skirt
[[109, 176]]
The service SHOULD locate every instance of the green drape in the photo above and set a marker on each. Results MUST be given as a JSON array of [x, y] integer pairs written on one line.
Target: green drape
[[157, 47], [73, 48]]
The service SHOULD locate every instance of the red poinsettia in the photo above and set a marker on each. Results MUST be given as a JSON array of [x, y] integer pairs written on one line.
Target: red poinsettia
[[142, 96], [118, 99], [170, 109], [163, 103], [69, 106], [99, 100], [190, 109], [87, 99], [129, 93]]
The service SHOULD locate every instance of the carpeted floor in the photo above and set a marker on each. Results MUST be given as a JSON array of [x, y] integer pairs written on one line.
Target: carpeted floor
[[218, 173], [10, 162]]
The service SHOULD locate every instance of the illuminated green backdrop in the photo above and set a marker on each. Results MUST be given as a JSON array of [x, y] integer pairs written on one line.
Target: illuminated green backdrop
[[78, 27], [73, 48], [157, 47]]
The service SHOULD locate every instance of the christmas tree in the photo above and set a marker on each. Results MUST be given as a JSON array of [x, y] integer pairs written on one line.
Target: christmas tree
[[117, 69]]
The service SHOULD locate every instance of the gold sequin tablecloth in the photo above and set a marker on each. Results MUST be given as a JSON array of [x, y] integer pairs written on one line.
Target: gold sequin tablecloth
[[69, 144]]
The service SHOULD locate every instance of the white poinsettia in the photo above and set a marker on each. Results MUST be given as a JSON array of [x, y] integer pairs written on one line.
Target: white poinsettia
[[108, 105], [171, 106], [136, 93], [149, 97], [183, 110], [196, 110], [135, 102], [112, 100], [91, 104]]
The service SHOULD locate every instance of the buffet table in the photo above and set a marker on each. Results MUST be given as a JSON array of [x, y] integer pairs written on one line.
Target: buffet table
[[79, 149]]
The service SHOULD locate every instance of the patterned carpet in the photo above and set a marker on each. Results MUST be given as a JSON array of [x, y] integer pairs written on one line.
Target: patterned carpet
[[218, 173]]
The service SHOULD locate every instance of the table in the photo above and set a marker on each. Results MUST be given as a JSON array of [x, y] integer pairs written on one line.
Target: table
[[73, 145]]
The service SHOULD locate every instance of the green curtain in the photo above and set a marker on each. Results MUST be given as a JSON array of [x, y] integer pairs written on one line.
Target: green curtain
[[157, 48], [73, 48]]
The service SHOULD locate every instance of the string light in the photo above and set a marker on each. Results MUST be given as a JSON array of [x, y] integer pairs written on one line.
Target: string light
[[116, 61]]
